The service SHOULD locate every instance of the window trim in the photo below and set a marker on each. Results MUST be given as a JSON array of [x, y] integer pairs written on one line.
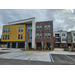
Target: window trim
[[19, 30], [44, 35], [44, 27], [36, 28], [41, 27], [20, 36], [63, 38], [50, 27], [50, 35], [41, 35], [6, 29], [38, 35], [4, 37]]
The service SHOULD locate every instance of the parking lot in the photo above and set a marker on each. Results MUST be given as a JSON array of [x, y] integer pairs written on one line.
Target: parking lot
[[37, 57]]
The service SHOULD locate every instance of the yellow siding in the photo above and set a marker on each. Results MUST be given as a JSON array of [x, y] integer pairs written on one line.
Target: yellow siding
[[14, 33]]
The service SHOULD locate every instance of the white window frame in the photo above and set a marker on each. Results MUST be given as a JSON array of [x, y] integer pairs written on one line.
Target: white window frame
[[20, 29], [50, 35], [44, 35], [50, 27], [41, 35], [20, 36], [44, 27], [41, 27]]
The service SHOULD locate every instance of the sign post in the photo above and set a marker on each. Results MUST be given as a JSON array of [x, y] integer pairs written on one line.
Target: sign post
[[42, 45]]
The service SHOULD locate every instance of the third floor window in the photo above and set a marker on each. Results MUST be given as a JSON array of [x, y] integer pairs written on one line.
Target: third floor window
[[20, 29], [6, 30], [45, 27]]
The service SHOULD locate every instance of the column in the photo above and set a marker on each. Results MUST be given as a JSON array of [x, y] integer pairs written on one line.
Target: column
[[16, 44], [33, 33], [10, 44]]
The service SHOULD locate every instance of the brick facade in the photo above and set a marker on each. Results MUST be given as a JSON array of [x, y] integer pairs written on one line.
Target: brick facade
[[43, 31]]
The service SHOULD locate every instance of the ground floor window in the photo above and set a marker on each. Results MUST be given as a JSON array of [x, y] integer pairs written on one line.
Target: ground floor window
[[13, 45], [48, 44], [21, 45], [63, 45], [74, 45], [57, 45], [38, 44]]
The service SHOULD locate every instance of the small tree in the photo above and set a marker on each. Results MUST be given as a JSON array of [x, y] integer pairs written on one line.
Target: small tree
[[27, 39]]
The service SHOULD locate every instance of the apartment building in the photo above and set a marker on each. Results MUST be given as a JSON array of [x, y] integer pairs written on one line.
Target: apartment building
[[27, 33], [64, 39], [44, 33]]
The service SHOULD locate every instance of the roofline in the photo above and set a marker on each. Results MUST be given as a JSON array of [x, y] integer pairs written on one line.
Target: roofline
[[22, 20], [44, 21]]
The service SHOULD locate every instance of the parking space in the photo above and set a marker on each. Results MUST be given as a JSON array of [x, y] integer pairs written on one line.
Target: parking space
[[44, 56], [63, 58], [17, 54]]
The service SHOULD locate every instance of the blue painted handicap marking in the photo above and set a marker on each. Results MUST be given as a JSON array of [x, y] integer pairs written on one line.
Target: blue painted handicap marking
[[35, 59], [2, 57], [50, 58]]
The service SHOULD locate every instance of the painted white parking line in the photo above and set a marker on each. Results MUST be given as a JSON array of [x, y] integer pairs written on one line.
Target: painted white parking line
[[70, 57]]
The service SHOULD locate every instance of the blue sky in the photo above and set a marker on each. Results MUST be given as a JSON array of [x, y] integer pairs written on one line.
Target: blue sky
[[63, 19]]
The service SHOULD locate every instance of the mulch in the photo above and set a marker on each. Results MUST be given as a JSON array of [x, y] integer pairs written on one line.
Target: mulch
[[5, 49], [35, 50]]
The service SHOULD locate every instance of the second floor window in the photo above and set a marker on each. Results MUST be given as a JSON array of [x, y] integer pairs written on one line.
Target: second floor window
[[45, 27], [63, 39], [20, 36], [48, 35], [20, 29], [45, 35], [40, 35], [37, 35], [6, 37]]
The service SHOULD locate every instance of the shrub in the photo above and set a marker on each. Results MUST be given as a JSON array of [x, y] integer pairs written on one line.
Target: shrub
[[48, 48], [39, 48], [66, 49]]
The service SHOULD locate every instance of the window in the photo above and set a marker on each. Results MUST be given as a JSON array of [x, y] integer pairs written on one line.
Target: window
[[37, 27], [48, 35], [73, 34], [40, 27], [45, 27], [74, 39], [37, 35], [63, 39], [6, 30], [63, 34], [6, 37], [28, 29], [20, 36], [3, 37], [31, 28], [20, 29], [40, 35], [48, 27]]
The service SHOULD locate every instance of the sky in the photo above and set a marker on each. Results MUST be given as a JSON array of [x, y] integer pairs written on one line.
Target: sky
[[63, 19]]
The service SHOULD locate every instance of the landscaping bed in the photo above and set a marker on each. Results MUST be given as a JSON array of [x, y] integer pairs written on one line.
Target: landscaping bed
[[35, 50], [5, 49]]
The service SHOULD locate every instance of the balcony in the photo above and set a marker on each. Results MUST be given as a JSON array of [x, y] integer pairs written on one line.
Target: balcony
[[56, 35], [57, 40]]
